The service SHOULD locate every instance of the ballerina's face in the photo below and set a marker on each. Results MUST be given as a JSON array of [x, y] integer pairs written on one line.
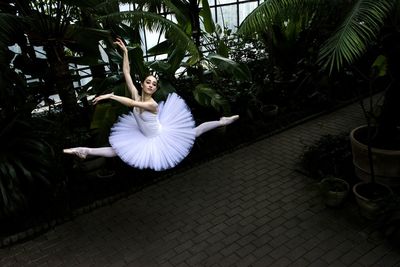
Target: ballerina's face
[[150, 84]]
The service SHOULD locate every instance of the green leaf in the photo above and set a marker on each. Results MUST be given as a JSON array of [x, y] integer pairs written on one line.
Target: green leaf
[[380, 66], [159, 66], [27, 173], [102, 113], [85, 60], [238, 71], [165, 88], [157, 23], [264, 15], [205, 12], [208, 97], [3, 190], [223, 49], [360, 27], [161, 48]]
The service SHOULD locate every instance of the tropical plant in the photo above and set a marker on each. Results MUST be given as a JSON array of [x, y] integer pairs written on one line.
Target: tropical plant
[[283, 30], [328, 156], [185, 35], [54, 26], [366, 22], [27, 168]]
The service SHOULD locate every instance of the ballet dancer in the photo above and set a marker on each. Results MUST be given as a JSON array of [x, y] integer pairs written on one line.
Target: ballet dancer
[[153, 135]]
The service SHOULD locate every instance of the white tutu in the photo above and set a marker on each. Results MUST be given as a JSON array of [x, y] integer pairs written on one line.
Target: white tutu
[[156, 141]]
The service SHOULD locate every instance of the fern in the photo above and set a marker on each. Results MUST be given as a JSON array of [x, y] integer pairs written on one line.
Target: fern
[[359, 28]]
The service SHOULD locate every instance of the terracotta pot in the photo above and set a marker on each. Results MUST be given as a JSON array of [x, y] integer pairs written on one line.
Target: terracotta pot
[[270, 110], [334, 191], [386, 162], [372, 198]]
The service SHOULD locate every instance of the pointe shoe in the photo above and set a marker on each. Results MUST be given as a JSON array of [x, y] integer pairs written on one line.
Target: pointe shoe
[[228, 120], [80, 152]]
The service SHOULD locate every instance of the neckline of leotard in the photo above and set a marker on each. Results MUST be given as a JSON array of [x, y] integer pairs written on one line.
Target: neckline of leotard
[[137, 110]]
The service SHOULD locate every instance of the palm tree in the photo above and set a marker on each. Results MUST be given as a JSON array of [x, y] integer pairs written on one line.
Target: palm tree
[[53, 25], [366, 22], [348, 43]]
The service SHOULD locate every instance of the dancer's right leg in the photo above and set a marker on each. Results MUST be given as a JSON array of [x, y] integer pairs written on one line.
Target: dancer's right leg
[[210, 125], [83, 152]]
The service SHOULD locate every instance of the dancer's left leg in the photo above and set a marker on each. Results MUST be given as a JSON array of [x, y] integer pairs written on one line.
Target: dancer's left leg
[[210, 125], [83, 152]]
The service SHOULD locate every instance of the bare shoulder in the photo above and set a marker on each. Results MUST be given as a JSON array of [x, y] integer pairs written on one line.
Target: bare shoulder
[[153, 105], [154, 102]]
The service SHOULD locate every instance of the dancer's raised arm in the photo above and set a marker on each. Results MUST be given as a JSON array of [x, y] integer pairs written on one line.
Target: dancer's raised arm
[[147, 105], [127, 70]]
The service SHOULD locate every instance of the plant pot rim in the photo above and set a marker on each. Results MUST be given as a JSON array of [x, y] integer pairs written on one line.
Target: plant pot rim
[[374, 149], [270, 107], [338, 180], [367, 199]]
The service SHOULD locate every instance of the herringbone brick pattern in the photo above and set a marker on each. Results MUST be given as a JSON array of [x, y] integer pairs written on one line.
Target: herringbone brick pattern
[[246, 208]]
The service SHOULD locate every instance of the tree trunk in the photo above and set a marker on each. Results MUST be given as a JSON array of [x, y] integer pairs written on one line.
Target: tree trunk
[[389, 119], [196, 33], [61, 76]]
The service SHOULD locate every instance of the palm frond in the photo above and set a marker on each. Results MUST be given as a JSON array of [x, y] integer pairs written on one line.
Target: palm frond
[[152, 5], [351, 40], [263, 17], [10, 24], [179, 10], [157, 23]]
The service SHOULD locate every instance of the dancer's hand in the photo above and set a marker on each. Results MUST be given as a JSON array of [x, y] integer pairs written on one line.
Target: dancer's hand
[[121, 44], [102, 97]]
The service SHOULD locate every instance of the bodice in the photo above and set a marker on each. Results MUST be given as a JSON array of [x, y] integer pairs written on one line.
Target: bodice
[[148, 122]]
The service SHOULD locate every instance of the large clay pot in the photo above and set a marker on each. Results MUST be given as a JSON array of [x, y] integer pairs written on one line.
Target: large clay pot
[[386, 162], [372, 198]]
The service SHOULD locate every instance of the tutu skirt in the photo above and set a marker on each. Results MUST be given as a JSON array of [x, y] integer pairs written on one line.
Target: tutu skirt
[[156, 141]]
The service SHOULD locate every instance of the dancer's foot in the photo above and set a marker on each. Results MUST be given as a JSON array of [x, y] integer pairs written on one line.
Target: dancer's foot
[[80, 152], [228, 120]]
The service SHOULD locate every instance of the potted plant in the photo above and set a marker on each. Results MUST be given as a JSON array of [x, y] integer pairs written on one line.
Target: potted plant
[[334, 191], [347, 45], [371, 162], [328, 160], [269, 110]]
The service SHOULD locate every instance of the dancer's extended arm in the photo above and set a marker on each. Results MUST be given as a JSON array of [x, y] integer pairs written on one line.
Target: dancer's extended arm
[[127, 70], [147, 105]]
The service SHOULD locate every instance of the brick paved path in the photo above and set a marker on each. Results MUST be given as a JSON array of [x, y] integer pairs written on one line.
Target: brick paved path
[[246, 208]]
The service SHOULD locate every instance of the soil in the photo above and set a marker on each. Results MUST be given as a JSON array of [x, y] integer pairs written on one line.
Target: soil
[[392, 143], [373, 191]]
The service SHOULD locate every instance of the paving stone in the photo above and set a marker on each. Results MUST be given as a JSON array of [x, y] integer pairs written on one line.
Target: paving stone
[[300, 263], [179, 258], [248, 260], [332, 255], [184, 246], [264, 261], [350, 257], [262, 251], [262, 240], [231, 239], [296, 253], [196, 259], [279, 252], [390, 259], [314, 254]]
